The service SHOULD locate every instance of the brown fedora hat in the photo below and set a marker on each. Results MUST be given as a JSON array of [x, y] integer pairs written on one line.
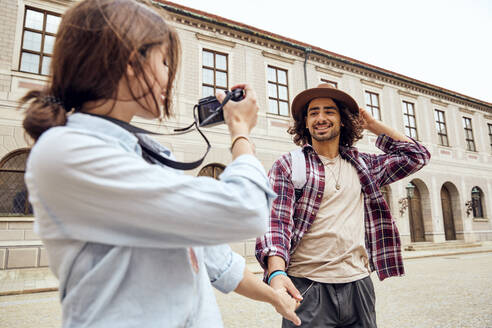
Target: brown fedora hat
[[324, 90]]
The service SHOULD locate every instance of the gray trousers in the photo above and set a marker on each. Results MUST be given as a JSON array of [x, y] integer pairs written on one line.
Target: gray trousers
[[349, 305]]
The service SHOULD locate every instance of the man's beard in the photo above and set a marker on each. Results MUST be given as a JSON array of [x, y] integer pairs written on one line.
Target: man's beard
[[335, 132]]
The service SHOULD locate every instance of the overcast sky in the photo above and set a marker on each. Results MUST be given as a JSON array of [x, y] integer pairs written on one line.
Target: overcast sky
[[443, 42]]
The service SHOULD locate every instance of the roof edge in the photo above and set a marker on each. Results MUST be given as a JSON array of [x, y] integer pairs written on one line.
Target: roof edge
[[244, 28]]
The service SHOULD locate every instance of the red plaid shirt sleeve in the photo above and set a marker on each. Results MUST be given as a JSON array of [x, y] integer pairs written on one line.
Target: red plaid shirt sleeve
[[277, 241], [401, 159]]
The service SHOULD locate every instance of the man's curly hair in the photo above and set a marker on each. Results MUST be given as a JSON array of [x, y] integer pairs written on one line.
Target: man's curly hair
[[350, 132]]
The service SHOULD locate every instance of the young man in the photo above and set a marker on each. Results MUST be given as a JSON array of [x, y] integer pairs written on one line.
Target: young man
[[323, 246]]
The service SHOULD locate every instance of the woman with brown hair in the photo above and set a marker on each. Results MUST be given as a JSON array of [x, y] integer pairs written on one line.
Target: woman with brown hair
[[135, 243]]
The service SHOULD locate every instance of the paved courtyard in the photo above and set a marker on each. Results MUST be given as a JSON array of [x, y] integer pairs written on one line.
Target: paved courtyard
[[453, 291]]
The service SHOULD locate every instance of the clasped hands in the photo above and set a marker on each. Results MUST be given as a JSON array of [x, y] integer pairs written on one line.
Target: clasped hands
[[289, 298]]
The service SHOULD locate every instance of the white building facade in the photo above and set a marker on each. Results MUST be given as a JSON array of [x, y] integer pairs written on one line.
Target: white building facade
[[450, 199]]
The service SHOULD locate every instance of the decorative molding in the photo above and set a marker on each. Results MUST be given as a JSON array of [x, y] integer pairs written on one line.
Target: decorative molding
[[64, 3], [372, 84], [467, 111], [335, 61], [17, 219], [487, 117], [215, 40], [407, 94], [444, 151], [279, 124], [278, 57], [30, 85], [29, 76], [328, 71], [439, 103]]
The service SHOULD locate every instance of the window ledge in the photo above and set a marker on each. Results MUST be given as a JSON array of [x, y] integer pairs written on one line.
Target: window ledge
[[17, 218], [278, 116], [480, 220], [31, 76]]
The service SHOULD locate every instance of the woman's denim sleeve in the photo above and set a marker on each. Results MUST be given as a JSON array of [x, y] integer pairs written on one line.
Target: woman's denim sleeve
[[225, 268]]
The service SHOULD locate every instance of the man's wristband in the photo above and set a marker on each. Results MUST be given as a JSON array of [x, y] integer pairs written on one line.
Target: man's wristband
[[276, 273]]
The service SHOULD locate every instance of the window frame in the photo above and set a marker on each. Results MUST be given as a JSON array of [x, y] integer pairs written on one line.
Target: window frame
[[406, 118], [371, 106], [442, 125], [469, 129], [277, 84], [43, 33], [477, 204], [217, 169], [489, 125], [215, 70], [27, 212]]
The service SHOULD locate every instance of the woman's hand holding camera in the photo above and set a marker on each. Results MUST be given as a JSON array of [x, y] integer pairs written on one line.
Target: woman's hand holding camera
[[240, 118]]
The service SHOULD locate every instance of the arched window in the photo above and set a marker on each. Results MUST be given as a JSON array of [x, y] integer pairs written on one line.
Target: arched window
[[212, 170], [13, 191], [477, 205]]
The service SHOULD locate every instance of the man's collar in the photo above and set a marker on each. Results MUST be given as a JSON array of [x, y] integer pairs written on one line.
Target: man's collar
[[343, 150]]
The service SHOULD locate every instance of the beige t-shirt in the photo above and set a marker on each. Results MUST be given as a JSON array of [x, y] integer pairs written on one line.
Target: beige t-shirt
[[333, 250]]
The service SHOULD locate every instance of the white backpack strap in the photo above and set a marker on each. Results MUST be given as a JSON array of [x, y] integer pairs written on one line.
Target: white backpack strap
[[298, 168]]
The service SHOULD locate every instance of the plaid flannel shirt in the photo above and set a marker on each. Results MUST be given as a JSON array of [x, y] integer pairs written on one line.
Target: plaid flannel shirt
[[289, 221]]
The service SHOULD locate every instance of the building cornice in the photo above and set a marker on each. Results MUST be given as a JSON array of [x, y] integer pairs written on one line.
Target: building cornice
[[371, 83], [407, 94], [215, 40], [278, 57], [466, 111], [324, 58], [328, 71], [439, 103]]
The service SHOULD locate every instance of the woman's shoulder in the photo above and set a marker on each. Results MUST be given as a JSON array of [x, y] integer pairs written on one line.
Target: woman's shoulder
[[55, 144], [61, 145], [61, 137]]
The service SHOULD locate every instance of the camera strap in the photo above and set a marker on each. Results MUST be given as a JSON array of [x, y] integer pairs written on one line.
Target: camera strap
[[148, 151]]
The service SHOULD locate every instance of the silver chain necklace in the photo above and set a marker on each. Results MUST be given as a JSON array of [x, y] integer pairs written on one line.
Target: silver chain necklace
[[337, 181]]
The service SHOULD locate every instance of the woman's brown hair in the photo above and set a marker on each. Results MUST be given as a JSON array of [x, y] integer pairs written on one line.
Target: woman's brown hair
[[350, 131], [95, 43]]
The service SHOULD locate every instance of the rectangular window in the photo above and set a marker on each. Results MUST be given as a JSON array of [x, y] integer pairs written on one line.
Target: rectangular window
[[38, 40], [490, 135], [442, 132], [372, 103], [333, 84], [470, 141], [278, 91], [409, 120], [214, 72]]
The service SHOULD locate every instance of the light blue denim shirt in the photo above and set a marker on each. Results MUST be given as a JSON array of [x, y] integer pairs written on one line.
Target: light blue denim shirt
[[118, 229]]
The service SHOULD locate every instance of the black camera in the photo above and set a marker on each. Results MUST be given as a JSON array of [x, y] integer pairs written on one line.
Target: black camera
[[210, 110]]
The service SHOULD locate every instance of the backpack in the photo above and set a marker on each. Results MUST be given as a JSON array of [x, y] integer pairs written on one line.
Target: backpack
[[298, 175]]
